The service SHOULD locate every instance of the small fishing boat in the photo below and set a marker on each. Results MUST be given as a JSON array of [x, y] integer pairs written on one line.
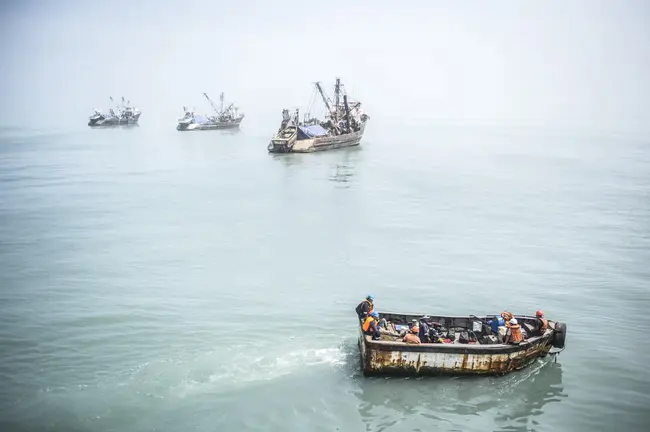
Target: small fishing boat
[[225, 118], [463, 346], [125, 115], [343, 126]]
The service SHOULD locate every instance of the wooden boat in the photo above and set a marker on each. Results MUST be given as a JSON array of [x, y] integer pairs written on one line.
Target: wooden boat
[[343, 126], [485, 355]]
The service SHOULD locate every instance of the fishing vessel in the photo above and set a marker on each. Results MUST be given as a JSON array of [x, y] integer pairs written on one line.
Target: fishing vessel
[[463, 346], [225, 118], [122, 115], [343, 126]]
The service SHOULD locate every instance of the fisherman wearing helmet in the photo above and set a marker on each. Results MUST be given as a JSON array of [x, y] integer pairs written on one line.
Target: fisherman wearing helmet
[[370, 326], [515, 336], [543, 326], [365, 308]]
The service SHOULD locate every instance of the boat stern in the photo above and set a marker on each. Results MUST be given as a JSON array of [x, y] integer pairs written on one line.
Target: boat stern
[[279, 146]]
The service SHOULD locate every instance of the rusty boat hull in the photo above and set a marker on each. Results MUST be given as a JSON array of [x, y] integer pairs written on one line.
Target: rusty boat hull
[[396, 358]]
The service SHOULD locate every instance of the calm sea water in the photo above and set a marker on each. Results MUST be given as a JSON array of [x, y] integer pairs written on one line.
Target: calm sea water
[[156, 280]]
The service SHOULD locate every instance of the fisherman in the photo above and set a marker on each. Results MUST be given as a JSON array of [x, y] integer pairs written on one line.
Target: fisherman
[[365, 308], [515, 336], [543, 321], [424, 329], [412, 337], [370, 326]]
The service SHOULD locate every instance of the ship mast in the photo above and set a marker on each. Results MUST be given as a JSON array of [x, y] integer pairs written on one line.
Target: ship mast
[[221, 99], [211, 103], [347, 111], [325, 98], [337, 91]]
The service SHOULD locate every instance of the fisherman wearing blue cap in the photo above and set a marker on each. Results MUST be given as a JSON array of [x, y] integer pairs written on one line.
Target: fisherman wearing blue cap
[[370, 326], [364, 309]]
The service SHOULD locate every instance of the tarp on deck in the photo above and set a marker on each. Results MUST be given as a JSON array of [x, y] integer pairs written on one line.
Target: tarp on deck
[[312, 131], [199, 119]]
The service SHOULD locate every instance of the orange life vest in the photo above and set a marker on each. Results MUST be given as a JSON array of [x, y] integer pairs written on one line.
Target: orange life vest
[[366, 323], [544, 324], [515, 334], [412, 339]]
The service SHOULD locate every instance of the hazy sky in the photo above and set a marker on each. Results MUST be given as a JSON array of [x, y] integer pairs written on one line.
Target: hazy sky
[[574, 64]]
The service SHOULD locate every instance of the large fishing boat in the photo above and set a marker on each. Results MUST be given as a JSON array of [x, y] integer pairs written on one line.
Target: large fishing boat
[[343, 126], [460, 346], [225, 118], [122, 115]]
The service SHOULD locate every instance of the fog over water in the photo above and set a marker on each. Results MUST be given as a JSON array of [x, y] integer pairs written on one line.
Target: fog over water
[[152, 279], [579, 65]]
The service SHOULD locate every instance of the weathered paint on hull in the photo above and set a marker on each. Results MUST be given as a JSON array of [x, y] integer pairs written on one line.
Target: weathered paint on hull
[[389, 358], [321, 144]]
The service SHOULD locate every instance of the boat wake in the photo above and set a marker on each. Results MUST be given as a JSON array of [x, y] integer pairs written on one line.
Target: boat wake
[[217, 371], [244, 369]]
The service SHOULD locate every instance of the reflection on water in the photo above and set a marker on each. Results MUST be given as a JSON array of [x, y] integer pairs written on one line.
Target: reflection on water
[[118, 126], [342, 173], [288, 159], [344, 169], [527, 393], [512, 401], [233, 131]]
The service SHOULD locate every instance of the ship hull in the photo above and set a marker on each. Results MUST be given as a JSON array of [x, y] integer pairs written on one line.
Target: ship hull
[[107, 122], [187, 127], [317, 144]]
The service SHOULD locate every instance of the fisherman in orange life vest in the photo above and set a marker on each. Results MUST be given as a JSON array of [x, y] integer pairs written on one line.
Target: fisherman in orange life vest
[[544, 322], [370, 326], [412, 337], [364, 309], [515, 332]]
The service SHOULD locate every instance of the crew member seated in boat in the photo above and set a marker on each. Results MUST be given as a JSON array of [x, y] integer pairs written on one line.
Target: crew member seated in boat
[[365, 308], [412, 336], [542, 323], [423, 334], [514, 332], [370, 326]]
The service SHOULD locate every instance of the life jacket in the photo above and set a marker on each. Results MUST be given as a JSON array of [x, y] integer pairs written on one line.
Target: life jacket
[[366, 324], [544, 326], [412, 338], [358, 308], [515, 334]]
